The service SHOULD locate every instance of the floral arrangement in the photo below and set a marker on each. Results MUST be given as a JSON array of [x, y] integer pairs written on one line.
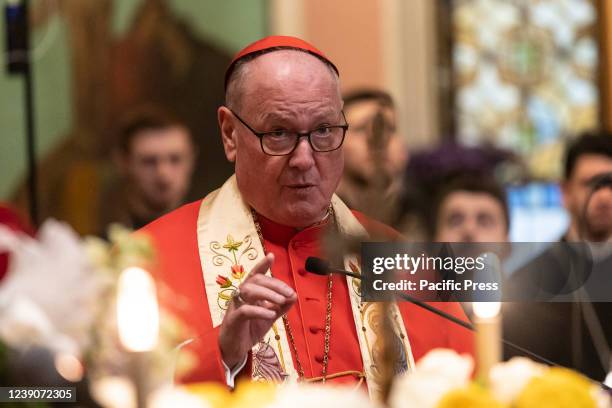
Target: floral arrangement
[[49, 297], [261, 395], [60, 295], [442, 379]]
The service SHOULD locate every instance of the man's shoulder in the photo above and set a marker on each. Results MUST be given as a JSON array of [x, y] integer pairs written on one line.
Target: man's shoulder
[[377, 228], [177, 220]]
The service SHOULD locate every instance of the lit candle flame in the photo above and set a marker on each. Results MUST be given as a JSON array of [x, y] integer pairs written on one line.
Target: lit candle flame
[[486, 310], [69, 367], [137, 311]]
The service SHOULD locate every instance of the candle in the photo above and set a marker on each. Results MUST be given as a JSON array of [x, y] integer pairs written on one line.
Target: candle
[[137, 311], [488, 337], [138, 324]]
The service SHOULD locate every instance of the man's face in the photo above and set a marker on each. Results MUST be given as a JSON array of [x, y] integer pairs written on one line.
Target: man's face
[[357, 146], [285, 90], [576, 191], [466, 216], [159, 167]]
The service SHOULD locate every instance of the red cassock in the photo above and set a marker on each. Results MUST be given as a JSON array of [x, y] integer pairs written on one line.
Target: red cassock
[[175, 239]]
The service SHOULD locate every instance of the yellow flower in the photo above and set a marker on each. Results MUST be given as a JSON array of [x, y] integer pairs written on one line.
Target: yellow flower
[[232, 245], [474, 396], [247, 394], [253, 394], [558, 388], [215, 394]]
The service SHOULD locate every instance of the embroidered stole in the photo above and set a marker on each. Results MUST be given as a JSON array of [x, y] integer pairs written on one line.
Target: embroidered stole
[[229, 247]]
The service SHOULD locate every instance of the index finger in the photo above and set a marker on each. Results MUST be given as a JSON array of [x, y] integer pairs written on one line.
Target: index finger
[[262, 266]]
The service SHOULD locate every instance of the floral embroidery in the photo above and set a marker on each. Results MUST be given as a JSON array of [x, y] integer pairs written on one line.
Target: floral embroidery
[[231, 252], [232, 245], [237, 271], [223, 281]]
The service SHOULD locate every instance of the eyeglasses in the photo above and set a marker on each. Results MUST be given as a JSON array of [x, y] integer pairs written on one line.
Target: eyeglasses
[[283, 142]]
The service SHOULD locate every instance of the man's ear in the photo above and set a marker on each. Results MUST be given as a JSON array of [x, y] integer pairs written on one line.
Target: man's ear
[[228, 132], [565, 194]]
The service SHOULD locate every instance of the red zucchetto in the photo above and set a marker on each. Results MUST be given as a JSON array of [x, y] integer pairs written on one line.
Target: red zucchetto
[[276, 41]]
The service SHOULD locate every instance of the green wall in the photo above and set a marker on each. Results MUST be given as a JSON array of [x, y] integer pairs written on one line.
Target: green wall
[[52, 107], [230, 24]]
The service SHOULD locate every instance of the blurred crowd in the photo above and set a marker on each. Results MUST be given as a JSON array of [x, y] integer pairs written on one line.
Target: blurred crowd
[[450, 193]]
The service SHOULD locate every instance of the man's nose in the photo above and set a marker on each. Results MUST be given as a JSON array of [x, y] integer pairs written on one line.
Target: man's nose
[[468, 231], [303, 155], [164, 170]]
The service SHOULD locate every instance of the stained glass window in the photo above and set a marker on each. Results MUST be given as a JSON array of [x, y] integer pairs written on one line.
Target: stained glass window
[[525, 74]]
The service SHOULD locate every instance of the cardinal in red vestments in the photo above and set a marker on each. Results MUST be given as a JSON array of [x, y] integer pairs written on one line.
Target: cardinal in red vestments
[[234, 261]]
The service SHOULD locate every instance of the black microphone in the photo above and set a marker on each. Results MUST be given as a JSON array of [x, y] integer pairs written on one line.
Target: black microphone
[[321, 267]]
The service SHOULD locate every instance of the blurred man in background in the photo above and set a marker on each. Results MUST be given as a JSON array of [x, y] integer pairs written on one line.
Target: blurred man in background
[[577, 268], [447, 180], [471, 209], [155, 158], [588, 160], [374, 153]]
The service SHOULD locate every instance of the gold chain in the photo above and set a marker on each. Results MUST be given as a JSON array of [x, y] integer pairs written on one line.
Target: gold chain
[[288, 329]]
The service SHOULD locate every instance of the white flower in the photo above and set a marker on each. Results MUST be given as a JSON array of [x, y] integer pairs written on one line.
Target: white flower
[[308, 396], [437, 373], [170, 396], [24, 324], [447, 363], [601, 397], [508, 379], [55, 276]]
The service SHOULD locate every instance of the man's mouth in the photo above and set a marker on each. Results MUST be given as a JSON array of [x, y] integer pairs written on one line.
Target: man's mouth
[[300, 185]]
